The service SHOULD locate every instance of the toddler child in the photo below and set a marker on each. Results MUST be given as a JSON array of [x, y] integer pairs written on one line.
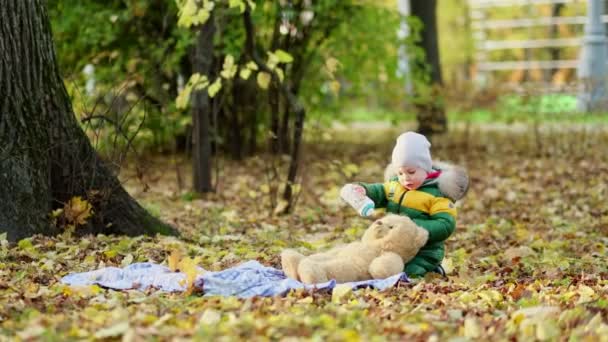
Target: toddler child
[[423, 191]]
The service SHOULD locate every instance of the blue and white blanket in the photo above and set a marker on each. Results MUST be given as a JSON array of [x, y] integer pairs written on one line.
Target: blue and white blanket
[[245, 280]]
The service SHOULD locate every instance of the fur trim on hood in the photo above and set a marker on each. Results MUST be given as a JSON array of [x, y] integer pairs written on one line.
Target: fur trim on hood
[[453, 181]]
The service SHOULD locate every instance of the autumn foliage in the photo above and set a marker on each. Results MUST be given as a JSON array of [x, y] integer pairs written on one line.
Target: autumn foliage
[[527, 260]]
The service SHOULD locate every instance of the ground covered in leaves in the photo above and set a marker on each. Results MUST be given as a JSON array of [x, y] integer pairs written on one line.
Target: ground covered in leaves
[[527, 260]]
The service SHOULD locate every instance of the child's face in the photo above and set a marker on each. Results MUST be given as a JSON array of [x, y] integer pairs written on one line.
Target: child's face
[[411, 177]]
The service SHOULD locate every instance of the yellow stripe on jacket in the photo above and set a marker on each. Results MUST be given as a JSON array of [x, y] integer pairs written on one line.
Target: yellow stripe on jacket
[[418, 200]]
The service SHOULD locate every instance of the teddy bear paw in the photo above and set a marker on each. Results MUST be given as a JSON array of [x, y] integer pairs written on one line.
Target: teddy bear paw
[[311, 272], [290, 260]]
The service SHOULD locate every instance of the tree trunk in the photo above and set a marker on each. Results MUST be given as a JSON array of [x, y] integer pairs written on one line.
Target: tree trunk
[[555, 52], [45, 157], [235, 132], [295, 155], [293, 102], [284, 141], [273, 101], [250, 112], [201, 110], [431, 115]]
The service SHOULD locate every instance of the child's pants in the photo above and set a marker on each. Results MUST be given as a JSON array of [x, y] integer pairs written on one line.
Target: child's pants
[[418, 267]]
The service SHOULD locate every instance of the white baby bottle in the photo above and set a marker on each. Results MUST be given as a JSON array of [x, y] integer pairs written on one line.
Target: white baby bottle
[[354, 195]]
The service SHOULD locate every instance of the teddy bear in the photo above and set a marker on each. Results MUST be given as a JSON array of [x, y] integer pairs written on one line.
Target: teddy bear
[[386, 246]]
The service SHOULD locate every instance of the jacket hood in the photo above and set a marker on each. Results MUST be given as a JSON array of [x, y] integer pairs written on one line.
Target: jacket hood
[[453, 181]]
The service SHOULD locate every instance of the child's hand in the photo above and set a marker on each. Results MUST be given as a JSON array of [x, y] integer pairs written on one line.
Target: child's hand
[[355, 195]]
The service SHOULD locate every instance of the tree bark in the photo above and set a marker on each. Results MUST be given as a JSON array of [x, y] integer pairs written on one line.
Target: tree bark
[[45, 157], [555, 52], [284, 141], [431, 115], [273, 101], [273, 91], [250, 114], [201, 110], [293, 102]]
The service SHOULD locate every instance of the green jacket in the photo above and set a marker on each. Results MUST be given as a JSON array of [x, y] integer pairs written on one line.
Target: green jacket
[[428, 208]]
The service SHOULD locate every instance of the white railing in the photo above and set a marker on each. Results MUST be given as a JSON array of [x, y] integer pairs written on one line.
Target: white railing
[[482, 27], [509, 3], [528, 44], [521, 65], [530, 22]]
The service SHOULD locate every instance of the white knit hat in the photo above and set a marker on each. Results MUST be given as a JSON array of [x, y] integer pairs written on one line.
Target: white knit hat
[[412, 149]]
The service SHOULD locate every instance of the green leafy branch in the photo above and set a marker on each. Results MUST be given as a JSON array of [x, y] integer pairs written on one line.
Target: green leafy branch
[[193, 13]]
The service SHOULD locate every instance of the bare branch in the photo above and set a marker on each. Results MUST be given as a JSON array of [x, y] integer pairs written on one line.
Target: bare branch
[[293, 103]]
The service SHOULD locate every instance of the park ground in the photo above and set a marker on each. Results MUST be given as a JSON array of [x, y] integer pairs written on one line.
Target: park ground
[[527, 260]]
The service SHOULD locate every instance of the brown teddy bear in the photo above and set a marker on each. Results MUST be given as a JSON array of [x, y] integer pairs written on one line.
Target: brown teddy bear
[[385, 247]]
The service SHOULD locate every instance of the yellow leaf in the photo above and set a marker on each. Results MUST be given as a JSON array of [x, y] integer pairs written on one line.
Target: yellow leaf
[[281, 207], [334, 86], [350, 169], [340, 291], [332, 65], [189, 267], [174, 259], [252, 66], [471, 327], [56, 213], [245, 73], [187, 12], [195, 78], [537, 312], [66, 291], [280, 73], [467, 297], [263, 79], [518, 318], [201, 17], [210, 317], [198, 81], [215, 87], [237, 3], [306, 300], [209, 5], [77, 210], [296, 188], [110, 254], [30, 290], [586, 294], [32, 331], [273, 60], [126, 261], [162, 320], [229, 68], [594, 323], [283, 57], [547, 330], [112, 331], [515, 252], [183, 98]]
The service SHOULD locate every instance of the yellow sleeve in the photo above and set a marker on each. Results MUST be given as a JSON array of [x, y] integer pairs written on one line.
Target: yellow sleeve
[[442, 205]]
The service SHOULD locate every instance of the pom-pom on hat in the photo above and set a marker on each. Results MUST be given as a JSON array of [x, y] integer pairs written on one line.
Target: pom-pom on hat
[[412, 149]]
